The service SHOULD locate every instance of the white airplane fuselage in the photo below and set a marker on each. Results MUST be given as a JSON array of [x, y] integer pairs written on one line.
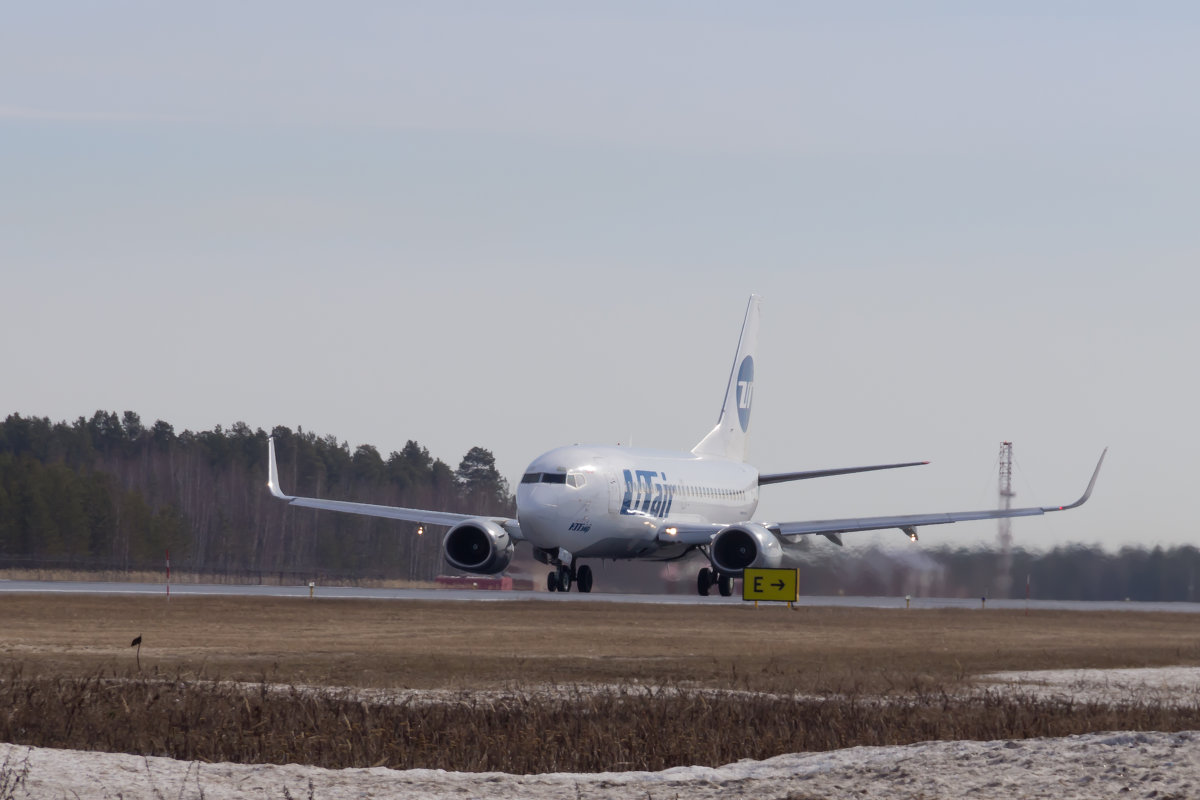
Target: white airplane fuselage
[[600, 501]]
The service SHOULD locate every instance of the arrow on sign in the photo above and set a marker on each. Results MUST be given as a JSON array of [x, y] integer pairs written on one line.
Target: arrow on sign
[[778, 585]]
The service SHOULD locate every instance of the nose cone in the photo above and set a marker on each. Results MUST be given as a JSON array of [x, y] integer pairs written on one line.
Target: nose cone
[[557, 497]]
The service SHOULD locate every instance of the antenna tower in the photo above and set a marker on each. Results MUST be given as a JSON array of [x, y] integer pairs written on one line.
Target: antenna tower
[[1004, 524]]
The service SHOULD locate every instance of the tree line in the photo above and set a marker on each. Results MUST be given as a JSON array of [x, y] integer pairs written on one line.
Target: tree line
[[110, 492]]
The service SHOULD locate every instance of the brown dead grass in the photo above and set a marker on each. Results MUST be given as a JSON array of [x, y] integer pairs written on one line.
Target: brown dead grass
[[480, 645], [571, 730]]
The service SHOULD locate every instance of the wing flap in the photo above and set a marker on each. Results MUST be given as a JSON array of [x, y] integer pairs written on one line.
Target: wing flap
[[835, 526]]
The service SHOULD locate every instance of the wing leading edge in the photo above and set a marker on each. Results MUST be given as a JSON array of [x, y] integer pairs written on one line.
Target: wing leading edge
[[446, 518], [832, 528]]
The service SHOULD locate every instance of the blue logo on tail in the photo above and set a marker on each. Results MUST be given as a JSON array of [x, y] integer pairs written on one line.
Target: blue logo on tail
[[745, 391]]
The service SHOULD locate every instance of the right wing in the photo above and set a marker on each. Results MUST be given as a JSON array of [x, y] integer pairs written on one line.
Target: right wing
[[909, 522], [446, 518]]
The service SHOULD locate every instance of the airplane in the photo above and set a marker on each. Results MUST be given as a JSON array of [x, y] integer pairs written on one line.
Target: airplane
[[612, 502]]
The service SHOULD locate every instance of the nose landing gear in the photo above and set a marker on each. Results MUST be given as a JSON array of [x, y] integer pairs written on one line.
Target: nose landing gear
[[560, 579]]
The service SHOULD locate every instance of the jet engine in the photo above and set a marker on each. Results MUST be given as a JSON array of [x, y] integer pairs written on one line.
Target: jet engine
[[478, 545], [747, 545]]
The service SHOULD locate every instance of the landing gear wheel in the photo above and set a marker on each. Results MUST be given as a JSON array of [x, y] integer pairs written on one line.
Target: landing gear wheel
[[703, 581], [552, 581], [564, 579], [725, 584], [583, 577]]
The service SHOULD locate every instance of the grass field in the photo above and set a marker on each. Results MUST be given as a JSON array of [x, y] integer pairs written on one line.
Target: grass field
[[833, 677], [389, 643]]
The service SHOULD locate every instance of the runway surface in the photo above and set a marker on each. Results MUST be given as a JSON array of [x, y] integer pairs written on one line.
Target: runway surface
[[484, 596]]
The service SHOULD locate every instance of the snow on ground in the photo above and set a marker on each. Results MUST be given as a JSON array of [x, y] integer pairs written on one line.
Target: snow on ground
[[1093, 766], [1101, 765], [1160, 685]]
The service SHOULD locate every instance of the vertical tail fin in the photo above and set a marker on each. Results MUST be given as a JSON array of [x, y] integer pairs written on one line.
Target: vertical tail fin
[[730, 438]]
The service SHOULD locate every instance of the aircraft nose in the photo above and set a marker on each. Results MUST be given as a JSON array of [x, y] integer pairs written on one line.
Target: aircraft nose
[[539, 516]]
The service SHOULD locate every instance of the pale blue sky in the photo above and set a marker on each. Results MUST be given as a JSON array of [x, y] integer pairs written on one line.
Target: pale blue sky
[[526, 224]]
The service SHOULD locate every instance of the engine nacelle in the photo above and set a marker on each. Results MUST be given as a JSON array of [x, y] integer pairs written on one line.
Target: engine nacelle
[[478, 545], [747, 545]]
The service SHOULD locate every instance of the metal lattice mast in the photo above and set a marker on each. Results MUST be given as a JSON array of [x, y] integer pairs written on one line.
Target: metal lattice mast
[[1004, 524]]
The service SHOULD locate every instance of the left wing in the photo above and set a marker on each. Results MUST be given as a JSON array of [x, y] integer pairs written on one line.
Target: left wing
[[832, 528], [446, 518]]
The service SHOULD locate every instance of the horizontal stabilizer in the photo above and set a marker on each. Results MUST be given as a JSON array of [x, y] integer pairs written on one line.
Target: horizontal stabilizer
[[783, 477]]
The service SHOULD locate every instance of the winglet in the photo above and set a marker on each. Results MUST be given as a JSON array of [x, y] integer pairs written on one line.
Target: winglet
[[1088, 493], [273, 471]]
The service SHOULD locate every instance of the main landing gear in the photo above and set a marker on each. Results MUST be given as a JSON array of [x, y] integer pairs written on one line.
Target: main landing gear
[[711, 577], [560, 579]]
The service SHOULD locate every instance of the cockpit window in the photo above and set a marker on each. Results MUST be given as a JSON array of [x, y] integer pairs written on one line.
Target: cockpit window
[[576, 479]]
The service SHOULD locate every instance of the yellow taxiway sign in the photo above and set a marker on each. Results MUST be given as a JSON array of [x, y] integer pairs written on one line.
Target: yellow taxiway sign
[[780, 585]]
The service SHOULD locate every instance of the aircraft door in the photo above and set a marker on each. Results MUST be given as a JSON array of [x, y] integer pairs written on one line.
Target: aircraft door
[[616, 492]]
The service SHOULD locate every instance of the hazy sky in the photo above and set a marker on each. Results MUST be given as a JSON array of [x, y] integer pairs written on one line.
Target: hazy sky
[[520, 225]]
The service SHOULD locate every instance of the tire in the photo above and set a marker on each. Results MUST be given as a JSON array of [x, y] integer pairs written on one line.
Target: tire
[[552, 581], [564, 580], [703, 581], [725, 584], [583, 579]]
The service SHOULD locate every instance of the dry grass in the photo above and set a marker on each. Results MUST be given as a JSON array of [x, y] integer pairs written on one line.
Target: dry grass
[[574, 730], [389, 643], [13, 775]]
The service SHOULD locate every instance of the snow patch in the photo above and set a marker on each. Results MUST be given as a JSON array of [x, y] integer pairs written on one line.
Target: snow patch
[[1163, 685], [1099, 765]]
